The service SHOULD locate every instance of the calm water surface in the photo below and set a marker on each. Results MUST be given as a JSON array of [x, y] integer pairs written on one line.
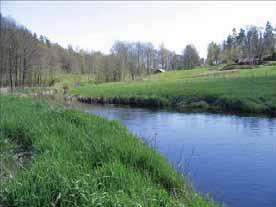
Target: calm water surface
[[232, 158]]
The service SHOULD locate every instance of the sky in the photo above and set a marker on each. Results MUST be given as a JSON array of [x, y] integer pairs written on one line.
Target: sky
[[93, 25]]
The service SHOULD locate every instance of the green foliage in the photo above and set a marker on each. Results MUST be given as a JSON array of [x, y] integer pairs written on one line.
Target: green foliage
[[83, 160]]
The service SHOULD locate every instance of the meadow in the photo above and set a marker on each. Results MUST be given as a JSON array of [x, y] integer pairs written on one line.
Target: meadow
[[204, 88], [53, 156]]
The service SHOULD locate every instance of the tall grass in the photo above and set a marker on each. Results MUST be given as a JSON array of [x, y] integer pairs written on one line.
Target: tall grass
[[83, 160], [250, 91]]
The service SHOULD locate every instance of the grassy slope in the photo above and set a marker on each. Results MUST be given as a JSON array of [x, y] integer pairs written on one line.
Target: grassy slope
[[61, 81], [71, 80], [82, 160], [247, 90]]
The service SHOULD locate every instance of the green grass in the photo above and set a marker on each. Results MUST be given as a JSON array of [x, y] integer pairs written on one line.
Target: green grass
[[71, 80], [61, 82], [83, 160], [31, 90], [245, 90]]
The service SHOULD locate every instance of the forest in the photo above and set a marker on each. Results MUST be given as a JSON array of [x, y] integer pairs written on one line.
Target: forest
[[28, 59]]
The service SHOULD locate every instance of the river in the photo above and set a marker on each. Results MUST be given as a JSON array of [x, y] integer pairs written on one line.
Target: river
[[231, 158]]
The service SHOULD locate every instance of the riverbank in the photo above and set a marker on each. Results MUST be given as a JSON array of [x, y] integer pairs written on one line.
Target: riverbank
[[203, 89], [83, 160]]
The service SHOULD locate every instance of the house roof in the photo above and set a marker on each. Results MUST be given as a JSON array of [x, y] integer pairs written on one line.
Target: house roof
[[247, 59], [161, 70]]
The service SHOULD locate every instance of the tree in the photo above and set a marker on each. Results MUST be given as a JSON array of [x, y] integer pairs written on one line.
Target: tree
[[213, 53], [269, 39], [120, 50], [149, 53], [190, 57], [241, 41]]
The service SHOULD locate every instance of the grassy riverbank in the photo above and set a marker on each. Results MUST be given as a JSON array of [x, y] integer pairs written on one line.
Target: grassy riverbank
[[245, 90], [75, 159]]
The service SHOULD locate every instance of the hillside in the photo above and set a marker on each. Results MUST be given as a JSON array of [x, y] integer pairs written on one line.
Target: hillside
[[205, 88]]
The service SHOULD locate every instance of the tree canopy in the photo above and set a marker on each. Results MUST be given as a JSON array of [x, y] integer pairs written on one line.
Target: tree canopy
[[256, 42]]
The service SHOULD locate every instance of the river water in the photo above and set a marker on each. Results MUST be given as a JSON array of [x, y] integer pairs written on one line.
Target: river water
[[231, 158]]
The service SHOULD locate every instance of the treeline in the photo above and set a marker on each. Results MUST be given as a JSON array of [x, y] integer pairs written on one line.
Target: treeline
[[249, 45], [29, 60], [134, 59]]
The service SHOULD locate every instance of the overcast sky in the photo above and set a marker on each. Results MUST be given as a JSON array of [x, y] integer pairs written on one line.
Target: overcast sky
[[96, 25]]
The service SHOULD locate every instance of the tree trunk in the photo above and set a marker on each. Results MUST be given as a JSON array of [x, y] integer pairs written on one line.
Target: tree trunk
[[16, 72], [24, 72], [10, 71]]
